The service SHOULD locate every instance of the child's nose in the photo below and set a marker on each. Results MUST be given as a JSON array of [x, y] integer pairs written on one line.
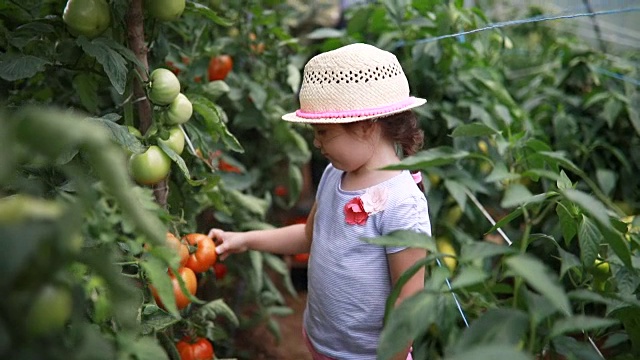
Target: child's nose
[[316, 143]]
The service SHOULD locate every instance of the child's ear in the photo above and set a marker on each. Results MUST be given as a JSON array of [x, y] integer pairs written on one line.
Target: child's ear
[[368, 127]]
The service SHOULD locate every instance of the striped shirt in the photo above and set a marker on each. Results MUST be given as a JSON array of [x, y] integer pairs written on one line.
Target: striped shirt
[[348, 279]]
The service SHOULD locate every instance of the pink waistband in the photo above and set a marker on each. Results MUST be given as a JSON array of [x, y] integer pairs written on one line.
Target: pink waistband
[[358, 112]]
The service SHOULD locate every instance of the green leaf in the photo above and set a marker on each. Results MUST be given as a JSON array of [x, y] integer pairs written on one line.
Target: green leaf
[[177, 159], [215, 89], [481, 250], [579, 323], [429, 158], [216, 308], [564, 182], [24, 34], [607, 180], [514, 324], [120, 133], [473, 130], [257, 94], [539, 307], [249, 203], [616, 240], [568, 261], [469, 276], [14, 67], [258, 269], [516, 195], [590, 238], [406, 322], [567, 223], [505, 220], [634, 115], [192, 6], [156, 271], [490, 352], [404, 238], [458, 191], [540, 278], [589, 205], [112, 62], [555, 157], [500, 173], [212, 116], [155, 320], [86, 86], [141, 348]]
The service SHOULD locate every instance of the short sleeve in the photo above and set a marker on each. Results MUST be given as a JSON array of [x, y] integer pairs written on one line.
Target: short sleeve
[[412, 214]]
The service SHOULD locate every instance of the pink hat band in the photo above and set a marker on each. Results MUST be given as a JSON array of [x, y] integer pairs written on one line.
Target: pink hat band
[[357, 113]]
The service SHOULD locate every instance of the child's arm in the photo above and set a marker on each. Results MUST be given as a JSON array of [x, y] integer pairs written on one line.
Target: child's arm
[[398, 263], [288, 240]]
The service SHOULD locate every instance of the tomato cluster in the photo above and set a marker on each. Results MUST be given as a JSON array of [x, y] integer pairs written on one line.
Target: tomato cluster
[[173, 109], [197, 254]]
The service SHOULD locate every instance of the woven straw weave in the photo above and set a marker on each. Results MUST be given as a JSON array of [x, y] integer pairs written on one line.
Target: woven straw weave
[[356, 77]]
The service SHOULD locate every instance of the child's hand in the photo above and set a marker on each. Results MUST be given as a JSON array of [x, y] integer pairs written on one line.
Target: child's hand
[[228, 242]]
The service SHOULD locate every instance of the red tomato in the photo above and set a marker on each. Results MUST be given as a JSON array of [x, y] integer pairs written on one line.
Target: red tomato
[[219, 67], [301, 258], [280, 191], [174, 243], [195, 349], [190, 281], [205, 254], [220, 269]]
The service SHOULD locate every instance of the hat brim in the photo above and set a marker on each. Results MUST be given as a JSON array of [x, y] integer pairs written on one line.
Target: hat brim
[[293, 117]]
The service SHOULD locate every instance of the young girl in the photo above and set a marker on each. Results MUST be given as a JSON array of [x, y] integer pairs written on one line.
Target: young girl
[[357, 100]]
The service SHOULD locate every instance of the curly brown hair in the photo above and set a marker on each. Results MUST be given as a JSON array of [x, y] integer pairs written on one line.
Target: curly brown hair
[[403, 129]]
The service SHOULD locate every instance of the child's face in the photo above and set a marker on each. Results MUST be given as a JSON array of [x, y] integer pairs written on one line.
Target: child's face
[[347, 149]]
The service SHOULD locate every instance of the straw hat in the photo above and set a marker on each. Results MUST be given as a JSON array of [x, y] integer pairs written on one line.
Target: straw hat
[[352, 83]]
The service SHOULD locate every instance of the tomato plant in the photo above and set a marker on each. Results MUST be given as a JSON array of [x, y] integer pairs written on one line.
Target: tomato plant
[[150, 167], [165, 10], [204, 255], [175, 141], [164, 86], [219, 67], [190, 281], [87, 17], [195, 349]]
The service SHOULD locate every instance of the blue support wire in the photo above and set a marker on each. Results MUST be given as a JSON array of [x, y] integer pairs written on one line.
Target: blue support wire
[[533, 19]]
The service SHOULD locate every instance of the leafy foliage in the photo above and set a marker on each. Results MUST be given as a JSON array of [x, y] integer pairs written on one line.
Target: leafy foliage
[[525, 144]]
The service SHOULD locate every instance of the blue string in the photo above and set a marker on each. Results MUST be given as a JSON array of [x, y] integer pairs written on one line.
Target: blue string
[[498, 25], [455, 297]]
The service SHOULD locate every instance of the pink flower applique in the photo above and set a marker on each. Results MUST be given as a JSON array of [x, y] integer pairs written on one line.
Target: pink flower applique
[[358, 209]]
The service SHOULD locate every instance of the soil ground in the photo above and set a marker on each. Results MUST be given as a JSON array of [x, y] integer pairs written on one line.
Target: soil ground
[[263, 345]]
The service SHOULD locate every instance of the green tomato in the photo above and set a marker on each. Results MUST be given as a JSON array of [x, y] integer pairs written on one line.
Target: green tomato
[[164, 86], [175, 141], [602, 269], [179, 111], [165, 10], [50, 310], [87, 17], [150, 167], [134, 131]]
